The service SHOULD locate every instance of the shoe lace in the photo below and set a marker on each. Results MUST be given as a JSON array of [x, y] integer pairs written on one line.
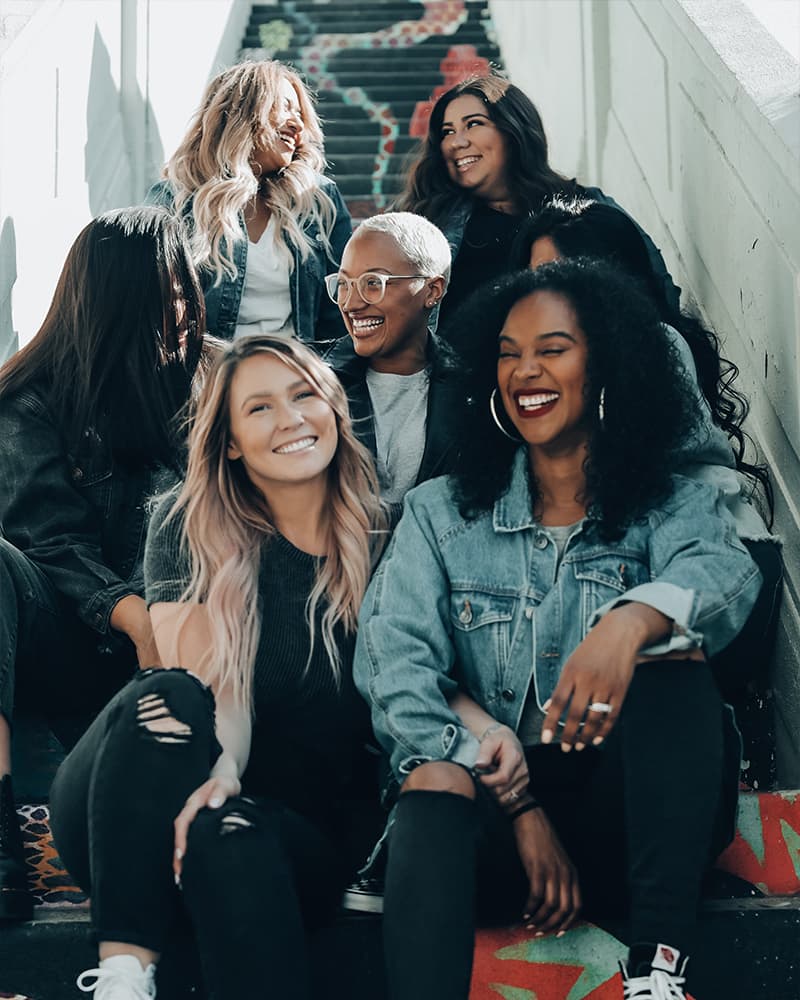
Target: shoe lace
[[658, 985], [114, 984]]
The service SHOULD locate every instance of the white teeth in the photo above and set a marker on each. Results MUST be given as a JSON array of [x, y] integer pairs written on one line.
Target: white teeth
[[466, 161], [365, 324], [286, 449], [534, 401]]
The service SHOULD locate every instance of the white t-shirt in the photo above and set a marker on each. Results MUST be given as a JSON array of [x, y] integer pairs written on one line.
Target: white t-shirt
[[266, 305]]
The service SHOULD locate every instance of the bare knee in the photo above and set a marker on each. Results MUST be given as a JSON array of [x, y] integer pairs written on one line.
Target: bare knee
[[440, 776]]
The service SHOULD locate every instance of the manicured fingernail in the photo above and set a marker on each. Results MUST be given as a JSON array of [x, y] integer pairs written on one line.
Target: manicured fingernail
[[597, 741], [539, 934], [547, 704], [526, 916], [528, 927], [566, 747], [561, 934], [178, 853], [215, 803], [177, 880], [579, 746], [547, 736]]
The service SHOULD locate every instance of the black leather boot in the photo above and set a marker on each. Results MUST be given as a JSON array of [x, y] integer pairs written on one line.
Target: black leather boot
[[15, 898]]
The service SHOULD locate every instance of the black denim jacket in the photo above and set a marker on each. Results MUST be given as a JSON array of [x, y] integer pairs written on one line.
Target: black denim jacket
[[82, 518]]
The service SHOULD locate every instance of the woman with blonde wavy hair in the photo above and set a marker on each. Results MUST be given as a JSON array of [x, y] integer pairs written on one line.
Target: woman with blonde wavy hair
[[254, 572], [266, 225]]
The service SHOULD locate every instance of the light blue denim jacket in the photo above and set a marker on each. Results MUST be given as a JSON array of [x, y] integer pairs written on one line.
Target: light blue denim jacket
[[314, 316], [485, 594]]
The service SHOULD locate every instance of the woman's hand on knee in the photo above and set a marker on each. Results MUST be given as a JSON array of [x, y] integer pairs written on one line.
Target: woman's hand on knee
[[211, 794], [501, 764], [554, 895]]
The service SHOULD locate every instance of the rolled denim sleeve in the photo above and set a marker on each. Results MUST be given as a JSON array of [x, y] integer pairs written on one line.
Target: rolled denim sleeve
[[703, 578], [404, 652], [46, 517]]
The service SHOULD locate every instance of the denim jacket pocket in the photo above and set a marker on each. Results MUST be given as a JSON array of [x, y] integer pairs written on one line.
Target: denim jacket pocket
[[482, 626], [603, 577]]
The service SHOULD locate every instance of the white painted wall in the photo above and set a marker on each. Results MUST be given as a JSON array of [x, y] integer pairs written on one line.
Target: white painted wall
[[688, 113], [94, 94]]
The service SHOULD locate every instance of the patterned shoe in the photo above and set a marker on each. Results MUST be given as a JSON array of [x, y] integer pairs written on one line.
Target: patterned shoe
[[365, 896], [656, 973], [120, 977], [15, 898]]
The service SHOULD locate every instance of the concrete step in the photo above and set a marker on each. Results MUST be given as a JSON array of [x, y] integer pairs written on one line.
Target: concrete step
[[335, 107], [337, 145], [302, 36], [747, 948], [431, 51], [341, 129], [354, 186]]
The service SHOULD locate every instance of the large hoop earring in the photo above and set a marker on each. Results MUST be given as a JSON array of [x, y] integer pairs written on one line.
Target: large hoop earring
[[601, 408], [255, 166], [496, 418]]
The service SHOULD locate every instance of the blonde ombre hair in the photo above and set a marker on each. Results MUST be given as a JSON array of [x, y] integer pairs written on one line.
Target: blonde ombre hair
[[211, 168], [226, 519]]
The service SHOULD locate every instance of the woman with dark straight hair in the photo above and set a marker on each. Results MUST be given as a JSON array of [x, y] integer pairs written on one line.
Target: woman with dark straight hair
[[89, 420], [481, 169]]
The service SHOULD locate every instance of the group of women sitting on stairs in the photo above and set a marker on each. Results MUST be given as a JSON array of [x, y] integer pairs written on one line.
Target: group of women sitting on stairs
[[470, 470]]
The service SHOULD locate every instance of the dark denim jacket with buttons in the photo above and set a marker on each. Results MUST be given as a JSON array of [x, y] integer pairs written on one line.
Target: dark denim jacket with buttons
[[490, 595], [82, 518], [314, 316]]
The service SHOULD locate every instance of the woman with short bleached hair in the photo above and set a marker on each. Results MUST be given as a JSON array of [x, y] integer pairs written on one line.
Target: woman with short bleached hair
[[266, 224], [246, 769]]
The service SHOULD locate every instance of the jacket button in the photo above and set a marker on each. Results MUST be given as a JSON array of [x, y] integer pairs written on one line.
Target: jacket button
[[541, 542], [508, 695], [465, 616], [77, 474]]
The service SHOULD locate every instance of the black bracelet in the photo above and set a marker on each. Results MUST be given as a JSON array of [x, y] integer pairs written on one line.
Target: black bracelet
[[524, 808]]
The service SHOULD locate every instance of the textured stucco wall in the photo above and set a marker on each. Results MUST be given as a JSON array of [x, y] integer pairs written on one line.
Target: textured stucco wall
[[93, 95], [688, 112]]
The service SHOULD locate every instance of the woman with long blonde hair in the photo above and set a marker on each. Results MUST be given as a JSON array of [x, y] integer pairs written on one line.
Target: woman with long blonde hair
[[254, 573], [267, 226]]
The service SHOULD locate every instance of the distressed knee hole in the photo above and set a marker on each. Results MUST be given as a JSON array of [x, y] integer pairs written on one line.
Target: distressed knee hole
[[233, 823], [154, 716]]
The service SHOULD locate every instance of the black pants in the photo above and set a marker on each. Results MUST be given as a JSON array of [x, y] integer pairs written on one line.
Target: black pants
[[256, 874], [641, 818]]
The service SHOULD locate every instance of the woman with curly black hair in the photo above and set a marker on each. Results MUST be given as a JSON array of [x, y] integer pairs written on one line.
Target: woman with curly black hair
[[581, 227], [535, 615]]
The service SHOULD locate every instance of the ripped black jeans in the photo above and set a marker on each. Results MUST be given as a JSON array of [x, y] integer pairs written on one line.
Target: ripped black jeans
[[256, 874]]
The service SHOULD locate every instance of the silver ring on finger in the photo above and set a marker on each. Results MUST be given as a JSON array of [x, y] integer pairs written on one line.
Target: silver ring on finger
[[512, 796], [600, 706]]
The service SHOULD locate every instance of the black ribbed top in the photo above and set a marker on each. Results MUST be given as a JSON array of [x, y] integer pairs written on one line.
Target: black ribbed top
[[307, 730]]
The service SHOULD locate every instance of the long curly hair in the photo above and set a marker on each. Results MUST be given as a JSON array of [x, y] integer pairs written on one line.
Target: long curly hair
[[226, 519], [581, 227], [648, 408], [429, 191], [122, 339], [211, 168]]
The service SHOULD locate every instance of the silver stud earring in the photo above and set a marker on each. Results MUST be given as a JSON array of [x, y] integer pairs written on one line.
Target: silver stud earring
[[493, 411], [601, 408]]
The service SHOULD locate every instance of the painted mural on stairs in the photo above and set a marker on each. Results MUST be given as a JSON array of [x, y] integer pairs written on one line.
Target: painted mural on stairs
[[510, 964], [316, 60]]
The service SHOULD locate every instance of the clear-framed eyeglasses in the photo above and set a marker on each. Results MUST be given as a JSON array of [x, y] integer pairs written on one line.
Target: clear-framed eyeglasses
[[371, 286]]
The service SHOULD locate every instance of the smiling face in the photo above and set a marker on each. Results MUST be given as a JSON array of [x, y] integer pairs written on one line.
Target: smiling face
[[281, 429], [475, 151], [541, 372], [285, 117], [393, 333]]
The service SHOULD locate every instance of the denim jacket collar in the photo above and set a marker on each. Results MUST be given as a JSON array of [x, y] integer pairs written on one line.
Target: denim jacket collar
[[513, 511]]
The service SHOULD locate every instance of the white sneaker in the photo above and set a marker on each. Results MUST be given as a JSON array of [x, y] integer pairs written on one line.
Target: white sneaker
[[658, 985], [120, 977], [364, 896]]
